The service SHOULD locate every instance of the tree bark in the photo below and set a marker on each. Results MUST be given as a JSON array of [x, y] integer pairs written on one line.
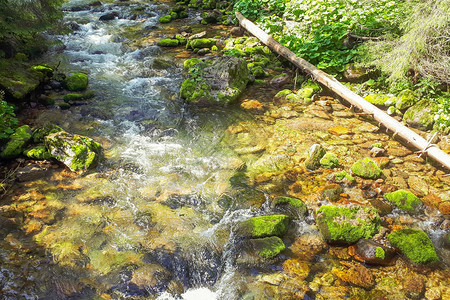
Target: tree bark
[[390, 123]]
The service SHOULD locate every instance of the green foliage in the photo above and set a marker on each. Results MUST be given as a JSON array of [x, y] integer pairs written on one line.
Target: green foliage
[[8, 120], [253, 9]]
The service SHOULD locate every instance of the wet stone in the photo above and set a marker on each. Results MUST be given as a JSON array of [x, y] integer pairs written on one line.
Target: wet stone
[[355, 274], [371, 252]]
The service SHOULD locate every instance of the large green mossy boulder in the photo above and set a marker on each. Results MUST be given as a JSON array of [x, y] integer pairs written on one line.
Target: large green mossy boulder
[[421, 115], [264, 226], [217, 82], [267, 248], [200, 43], [41, 132], [79, 153], [404, 200], [17, 142], [366, 168], [18, 79], [347, 224], [77, 82], [39, 152], [293, 207], [316, 152], [415, 244]]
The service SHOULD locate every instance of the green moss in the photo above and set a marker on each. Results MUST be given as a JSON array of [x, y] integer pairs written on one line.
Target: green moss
[[191, 92], [258, 72], [406, 99], [379, 99], [308, 89], [200, 43], [366, 168], [181, 39], [40, 133], [17, 142], [415, 244], [168, 43], [268, 247], [44, 69], [379, 252], [347, 224], [283, 93], [315, 155], [39, 152], [73, 97], [329, 161], [165, 19], [77, 82], [339, 176], [404, 200], [189, 63], [264, 226], [17, 78]]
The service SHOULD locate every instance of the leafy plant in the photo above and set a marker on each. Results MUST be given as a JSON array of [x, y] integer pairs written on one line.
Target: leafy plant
[[8, 120]]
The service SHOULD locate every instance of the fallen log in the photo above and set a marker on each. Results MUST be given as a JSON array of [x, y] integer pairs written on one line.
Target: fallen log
[[331, 83]]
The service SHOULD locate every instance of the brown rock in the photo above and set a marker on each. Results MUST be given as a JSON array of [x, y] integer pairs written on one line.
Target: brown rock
[[252, 105], [296, 268], [339, 130], [431, 200], [280, 81], [418, 185], [237, 31], [414, 286], [444, 207], [355, 274], [307, 246], [371, 252]]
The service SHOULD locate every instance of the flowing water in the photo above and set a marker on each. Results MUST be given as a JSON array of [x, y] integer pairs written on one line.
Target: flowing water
[[156, 218]]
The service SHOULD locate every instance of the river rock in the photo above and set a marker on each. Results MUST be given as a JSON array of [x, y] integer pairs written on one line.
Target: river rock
[[405, 200], [76, 82], [347, 224], [237, 31], [32, 172], [355, 274], [79, 153], [264, 226], [108, 16], [267, 248], [293, 207], [329, 161], [371, 252], [406, 99], [307, 246], [316, 152], [17, 142], [332, 192], [414, 244], [366, 168], [219, 83], [420, 115]]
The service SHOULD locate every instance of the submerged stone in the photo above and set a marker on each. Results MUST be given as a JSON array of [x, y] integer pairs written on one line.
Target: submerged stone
[[77, 82], [404, 200], [415, 244], [293, 207], [366, 168], [329, 161], [268, 247], [264, 226], [17, 142], [373, 253], [79, 153], [348, 223]]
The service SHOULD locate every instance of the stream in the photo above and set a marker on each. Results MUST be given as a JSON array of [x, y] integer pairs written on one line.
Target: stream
[[157, 218]]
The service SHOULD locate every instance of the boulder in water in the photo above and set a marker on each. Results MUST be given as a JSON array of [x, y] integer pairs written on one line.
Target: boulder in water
[[371, 252], [264, 226], [77, 82], [366, 168], [216, 83], [79, 153], [405, 200], [316, 152]]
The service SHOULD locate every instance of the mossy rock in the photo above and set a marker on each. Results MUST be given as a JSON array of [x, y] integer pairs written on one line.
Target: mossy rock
[[366, 168], [267, 248], [309, 89], [17, 142], [421, 115], [332, 192], [79, 153], [181, 39], [348, 223], [415, 244], [380, 99], [46, 70], [41, 132], [200, 43], [161, 64], [343, 175], [39, 152], [264, 226], [189, 63], [169, 43], [329, 161], [18, 79], [259, 72], [77, 82], [406, 99], [316, 152], [165, 19], [73, 97], [293, 207], [405, 200]]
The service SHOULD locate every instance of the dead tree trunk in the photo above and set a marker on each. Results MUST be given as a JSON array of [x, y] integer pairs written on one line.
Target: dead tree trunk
[[390, 123]]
